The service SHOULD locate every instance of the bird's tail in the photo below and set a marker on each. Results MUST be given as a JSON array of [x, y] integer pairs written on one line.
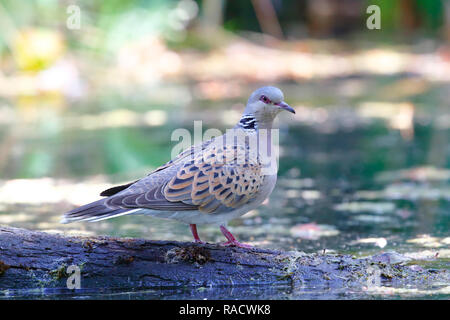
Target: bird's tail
[[94, 211]]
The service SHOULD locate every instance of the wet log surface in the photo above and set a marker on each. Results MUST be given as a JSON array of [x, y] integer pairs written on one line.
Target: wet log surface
[[36, 263]]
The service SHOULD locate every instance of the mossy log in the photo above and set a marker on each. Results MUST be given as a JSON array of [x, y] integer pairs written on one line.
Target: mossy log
[[32, 261]]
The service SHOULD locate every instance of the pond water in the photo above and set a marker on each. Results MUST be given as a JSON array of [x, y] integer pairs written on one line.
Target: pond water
[[359, 174]]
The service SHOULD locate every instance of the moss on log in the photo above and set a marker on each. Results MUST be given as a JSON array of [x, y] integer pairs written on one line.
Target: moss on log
[[32, 261]]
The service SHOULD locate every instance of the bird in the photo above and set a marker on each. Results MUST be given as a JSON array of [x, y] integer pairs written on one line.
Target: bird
[[210, 183]]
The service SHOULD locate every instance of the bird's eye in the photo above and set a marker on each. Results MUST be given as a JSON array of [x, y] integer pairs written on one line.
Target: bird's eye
[[264, 99]]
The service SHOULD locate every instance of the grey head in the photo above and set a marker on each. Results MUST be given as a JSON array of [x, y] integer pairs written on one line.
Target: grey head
[[262, 107]]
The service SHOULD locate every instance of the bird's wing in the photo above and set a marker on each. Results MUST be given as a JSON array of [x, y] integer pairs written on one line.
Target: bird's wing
[[188, 153], [216, 180], [179, 158]]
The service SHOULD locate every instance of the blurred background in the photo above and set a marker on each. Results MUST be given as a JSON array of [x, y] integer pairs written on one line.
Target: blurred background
[[90, 92]]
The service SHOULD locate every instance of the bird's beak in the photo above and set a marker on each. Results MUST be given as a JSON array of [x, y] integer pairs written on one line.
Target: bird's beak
[[283, 105]]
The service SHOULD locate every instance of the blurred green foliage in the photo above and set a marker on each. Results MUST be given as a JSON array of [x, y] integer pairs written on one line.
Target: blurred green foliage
[[118, 21]]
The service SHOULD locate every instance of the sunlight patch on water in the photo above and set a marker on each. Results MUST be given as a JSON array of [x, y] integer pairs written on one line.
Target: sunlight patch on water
[[409, 292], [379, 242], [375, 207], [48, 190], [430, 241], [313, 231]]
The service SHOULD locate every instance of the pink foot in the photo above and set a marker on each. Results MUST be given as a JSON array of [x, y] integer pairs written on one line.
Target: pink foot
[[236, 244], [195, 234], [232, 242]]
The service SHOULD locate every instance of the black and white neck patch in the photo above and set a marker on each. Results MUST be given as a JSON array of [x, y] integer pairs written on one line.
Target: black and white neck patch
[[248, 122]]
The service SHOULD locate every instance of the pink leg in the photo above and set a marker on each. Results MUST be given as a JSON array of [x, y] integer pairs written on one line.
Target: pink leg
[[195, 234], [232, 240]]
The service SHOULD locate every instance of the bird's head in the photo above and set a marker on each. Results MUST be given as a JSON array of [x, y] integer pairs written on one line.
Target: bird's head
[[265, 103]]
